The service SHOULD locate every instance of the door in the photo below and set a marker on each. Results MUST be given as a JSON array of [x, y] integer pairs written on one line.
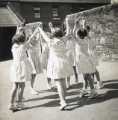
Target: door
[[6, 34]]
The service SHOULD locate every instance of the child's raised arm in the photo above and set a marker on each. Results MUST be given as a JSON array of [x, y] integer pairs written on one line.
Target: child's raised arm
[[33, 34], [27, 44], [44, 35]]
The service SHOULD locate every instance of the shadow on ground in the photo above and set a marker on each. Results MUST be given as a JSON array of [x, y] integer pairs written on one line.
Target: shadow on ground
[[110, 92]]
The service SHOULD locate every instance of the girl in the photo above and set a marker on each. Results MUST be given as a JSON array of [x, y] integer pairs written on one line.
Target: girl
[[71, 50], [20, 70], [83, 58], [58, 65], [34, 54], [44, 62], [92, 52]]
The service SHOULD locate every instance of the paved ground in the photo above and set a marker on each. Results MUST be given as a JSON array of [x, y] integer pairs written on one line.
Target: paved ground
[[45, 105]]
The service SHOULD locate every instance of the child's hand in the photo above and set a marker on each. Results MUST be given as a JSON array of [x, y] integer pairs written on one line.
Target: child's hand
[[50, 24], [40, 25], [36, 30]]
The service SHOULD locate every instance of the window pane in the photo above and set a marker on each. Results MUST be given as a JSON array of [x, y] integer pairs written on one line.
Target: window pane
[[36, 11]]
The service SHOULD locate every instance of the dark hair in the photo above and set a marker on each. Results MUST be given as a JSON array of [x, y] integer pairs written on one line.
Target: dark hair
[[18, 38], [57, 32], [88, 28], [82, 33]]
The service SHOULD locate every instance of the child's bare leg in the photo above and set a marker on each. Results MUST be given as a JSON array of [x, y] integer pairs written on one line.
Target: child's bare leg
[[33, 91], [33, 80], [14, 92], [64, 86], [13, 96], [68, 82], [85, 85], [97, 75], [99, 82], [91, 83], [21, 91], [20, 96], [61, 87], [49, 83], [75, 73], [85, 81]]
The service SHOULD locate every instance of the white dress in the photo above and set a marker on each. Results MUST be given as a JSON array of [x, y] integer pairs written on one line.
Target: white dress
[[21, 68], [34, 54], [44, 55], [71, 49], [84, 61], [58, 63], [92, 52]]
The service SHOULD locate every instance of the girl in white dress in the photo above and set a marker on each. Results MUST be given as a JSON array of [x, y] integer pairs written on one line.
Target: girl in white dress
[[84, 60], [58, 65], [92, 52], [44, 58], [45, 55], [44, 62], [71, 50], [34, 54], [20, 70]]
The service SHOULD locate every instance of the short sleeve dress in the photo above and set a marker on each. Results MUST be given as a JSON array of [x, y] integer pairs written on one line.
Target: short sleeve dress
[[34, 54], [21, 68], [58, 62], [71, 49], [92, 52], [84, 60], [44, 55]]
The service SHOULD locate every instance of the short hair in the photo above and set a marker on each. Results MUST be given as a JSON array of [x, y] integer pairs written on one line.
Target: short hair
[[57, 32], [88, 28], [18, 38], [82, 33]]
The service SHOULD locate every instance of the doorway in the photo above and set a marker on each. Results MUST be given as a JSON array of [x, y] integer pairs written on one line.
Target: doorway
[[6, 34]]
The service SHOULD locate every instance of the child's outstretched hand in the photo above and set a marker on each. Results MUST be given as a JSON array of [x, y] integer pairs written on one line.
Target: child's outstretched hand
[[50, 24], [40, 25]]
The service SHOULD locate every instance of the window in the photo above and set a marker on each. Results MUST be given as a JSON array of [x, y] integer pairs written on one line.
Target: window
[[55, 13], [36, 12]]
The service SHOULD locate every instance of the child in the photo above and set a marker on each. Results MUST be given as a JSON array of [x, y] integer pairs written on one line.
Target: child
[[20, 70], [34, 54], [83, 58], [46, 54], [58, 65], [92, 52], [44, 62], [71, 50]]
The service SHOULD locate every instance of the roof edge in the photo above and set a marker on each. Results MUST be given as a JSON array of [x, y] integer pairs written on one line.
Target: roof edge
[[61, 1]]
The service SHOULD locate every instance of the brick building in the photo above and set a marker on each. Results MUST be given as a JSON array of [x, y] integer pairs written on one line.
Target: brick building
[[51, 10], [12, 12]]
